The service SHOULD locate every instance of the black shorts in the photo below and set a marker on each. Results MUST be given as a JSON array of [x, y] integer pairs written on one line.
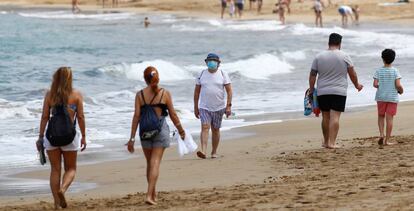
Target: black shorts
[[223, 4], [332, 102], [239, 6]]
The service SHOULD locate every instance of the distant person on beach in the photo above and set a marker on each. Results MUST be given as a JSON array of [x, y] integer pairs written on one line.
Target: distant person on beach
[[61, 138], [75, 7], [251, 3], [152, 106], [146, 22], [232, 8], [259, 6], [210, 104], [387, 80], [318, 7], [345, 12], [239, 7], [356, 11], [114, 3], [330, 69], [281, 6], [223, 7]]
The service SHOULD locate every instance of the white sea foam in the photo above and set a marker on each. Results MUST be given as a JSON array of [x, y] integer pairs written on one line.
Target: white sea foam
[[168, 71], [259, 67], [218, 25], [402, 43], [69, 15], [294, 55], [3, 12], [19, 110]]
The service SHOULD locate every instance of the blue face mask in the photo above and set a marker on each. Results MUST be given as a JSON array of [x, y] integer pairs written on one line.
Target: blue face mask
[[212, 65]]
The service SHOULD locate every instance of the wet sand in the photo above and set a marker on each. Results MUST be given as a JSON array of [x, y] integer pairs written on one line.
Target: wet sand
[[276, 166]]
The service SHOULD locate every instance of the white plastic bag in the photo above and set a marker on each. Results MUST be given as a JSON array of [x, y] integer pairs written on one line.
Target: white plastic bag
[[189, 142], [185, 146]]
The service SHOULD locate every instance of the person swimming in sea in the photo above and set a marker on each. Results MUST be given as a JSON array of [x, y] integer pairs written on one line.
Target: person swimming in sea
[[146, 22]]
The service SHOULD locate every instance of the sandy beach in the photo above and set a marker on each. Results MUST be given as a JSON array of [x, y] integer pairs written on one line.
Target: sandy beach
[[276, 166], [263, 167], [301, 12]]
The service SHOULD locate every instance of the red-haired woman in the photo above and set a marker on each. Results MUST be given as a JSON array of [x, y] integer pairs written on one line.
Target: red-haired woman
[[62, 94], [161, 101]]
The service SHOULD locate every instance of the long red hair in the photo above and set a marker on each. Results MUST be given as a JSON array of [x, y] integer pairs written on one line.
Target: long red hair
[[61, 87], [152, 78]]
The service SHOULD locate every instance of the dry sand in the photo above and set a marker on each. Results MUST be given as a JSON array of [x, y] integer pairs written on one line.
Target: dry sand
[[281, 166]]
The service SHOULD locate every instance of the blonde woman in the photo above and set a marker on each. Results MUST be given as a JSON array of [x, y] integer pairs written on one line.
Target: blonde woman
[[64, 103], [153, 102]]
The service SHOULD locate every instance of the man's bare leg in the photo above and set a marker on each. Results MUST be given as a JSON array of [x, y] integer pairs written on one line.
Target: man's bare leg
[[333, 128], [205, 129], [215, 140], [325, 128]]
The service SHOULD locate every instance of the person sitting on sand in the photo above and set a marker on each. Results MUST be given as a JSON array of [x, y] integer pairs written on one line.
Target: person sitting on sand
[[330, 69], [146, 22], [62, 98], [317, 7], [147, 101], [345, 12], [75, 7], [387, 80], [239, 7], [209, 102]]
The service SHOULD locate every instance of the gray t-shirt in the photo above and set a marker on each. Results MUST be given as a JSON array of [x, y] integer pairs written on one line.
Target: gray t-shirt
[[332, 68]]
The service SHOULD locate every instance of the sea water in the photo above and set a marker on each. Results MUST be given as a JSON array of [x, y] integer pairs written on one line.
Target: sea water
[[268, 64]]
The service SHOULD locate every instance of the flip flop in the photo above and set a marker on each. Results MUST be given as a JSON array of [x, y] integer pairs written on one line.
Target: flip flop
[[42, 156], [213, 156], [201, 155]]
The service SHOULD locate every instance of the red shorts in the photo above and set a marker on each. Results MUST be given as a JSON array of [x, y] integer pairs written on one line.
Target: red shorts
[[387, 108]]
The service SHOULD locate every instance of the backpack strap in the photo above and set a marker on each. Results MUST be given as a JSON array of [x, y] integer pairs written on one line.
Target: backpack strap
[[143, 98], [202, 72], [162, 95], [152, 100]]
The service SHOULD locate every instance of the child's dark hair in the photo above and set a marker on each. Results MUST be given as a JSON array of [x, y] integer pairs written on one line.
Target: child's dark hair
[[335, 39], [388, 55]]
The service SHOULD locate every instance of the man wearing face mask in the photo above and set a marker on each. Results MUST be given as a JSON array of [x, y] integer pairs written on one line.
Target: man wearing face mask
[[210, 104]]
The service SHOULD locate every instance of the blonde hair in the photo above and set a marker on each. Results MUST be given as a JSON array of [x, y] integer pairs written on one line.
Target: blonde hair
[[61, 87]]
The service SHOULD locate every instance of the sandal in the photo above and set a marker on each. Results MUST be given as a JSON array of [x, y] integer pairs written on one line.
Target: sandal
[[201, 155]]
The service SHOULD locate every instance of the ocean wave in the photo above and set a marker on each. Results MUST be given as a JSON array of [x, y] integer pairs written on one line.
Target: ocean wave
[[3, 12], [294, 55], [19, 110], [259, 67], [69, 15], [402, 43], [214, 25], [168, 71]]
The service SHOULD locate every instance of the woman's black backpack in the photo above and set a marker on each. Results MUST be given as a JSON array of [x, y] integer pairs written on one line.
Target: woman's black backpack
[[150, 124], [60, 130]]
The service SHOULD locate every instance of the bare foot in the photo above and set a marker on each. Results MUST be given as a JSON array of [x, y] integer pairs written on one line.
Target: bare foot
[[201, 155], [62, 199], [57, 206], [324, 145], [154, 197], [333, 146], [381, 141], [150, 202]]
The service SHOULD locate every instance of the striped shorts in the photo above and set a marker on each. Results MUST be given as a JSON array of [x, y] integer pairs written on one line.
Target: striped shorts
[[213, 118]]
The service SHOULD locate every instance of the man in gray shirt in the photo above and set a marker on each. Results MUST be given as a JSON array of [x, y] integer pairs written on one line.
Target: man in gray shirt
[[330, 69]]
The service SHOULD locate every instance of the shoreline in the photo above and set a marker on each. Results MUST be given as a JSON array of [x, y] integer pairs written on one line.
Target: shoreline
[[301, 15], [242, 157]]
